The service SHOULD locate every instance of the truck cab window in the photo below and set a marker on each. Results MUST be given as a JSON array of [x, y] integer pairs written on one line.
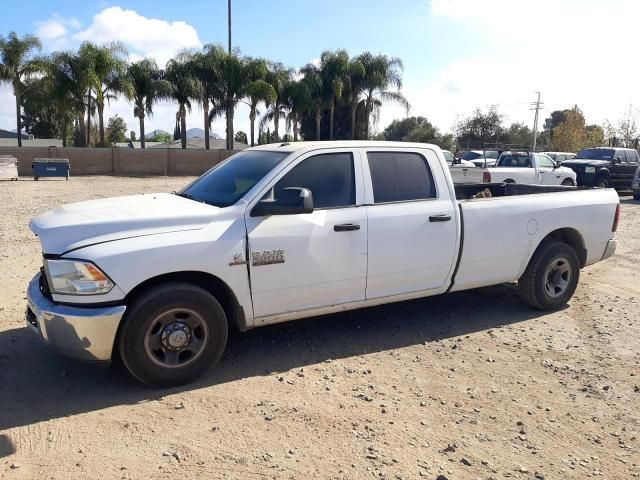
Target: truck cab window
[[329, 176], [400, 176]]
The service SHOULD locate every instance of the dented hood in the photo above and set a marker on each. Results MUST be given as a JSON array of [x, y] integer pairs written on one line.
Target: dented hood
[[81, 224]]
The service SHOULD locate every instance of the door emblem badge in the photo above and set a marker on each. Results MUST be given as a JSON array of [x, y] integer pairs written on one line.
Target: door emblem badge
[[238, 259], [267, 257]]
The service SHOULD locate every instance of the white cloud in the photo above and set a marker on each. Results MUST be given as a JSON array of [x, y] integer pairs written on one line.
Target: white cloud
[[573, 52], [143, 36]]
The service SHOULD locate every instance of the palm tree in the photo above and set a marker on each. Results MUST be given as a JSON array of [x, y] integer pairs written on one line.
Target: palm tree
[[312, 78], [333, 69], [109, 76], [381, 73], [206, 67], [354, 79], [257, 91], [73, 73], [16, 67], [298, 101], [184, 88], [148, 87], [233, 88], [278, 77]]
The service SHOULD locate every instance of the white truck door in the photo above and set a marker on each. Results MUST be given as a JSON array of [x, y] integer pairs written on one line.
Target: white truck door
[[300, 262], [548, 174], [413, 227]]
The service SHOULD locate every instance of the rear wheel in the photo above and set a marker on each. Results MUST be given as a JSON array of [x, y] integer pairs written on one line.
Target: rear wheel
[[172, 334], [602, 182], [551, 277]]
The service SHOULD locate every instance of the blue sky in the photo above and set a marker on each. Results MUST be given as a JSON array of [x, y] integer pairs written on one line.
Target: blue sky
[[458, 54]]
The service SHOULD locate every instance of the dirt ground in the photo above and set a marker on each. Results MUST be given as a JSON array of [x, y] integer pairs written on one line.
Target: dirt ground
[[464, 386]]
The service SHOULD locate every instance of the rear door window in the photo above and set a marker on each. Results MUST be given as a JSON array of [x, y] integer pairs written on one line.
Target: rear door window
[[400, 176]]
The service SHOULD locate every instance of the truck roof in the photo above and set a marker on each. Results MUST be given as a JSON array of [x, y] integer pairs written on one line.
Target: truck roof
[[296, 146]]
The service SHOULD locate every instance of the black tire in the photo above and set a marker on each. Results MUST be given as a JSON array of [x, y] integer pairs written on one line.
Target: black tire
[[567, 182], [601, 182], [546, 268], [144, 339], [636, 196]]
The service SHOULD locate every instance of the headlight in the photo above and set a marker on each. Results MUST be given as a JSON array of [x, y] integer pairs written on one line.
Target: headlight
[[590, 170], [76, 277]]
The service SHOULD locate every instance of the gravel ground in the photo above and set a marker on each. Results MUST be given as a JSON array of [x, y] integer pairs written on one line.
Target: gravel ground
[[464, 386]]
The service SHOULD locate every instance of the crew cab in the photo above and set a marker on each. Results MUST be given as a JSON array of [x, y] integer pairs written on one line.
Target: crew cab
[[605, 167], [284, 231], [519, 167]]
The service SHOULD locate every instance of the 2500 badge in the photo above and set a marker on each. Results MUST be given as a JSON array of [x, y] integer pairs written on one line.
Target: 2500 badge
[[267, 257]]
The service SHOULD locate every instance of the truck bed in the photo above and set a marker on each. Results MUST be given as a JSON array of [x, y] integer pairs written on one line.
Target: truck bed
[[468, 191]]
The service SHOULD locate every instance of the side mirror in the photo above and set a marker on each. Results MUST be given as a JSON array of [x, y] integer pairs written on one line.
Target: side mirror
[[291, 201]]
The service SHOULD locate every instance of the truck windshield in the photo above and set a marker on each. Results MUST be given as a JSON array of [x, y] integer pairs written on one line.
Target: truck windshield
[[228, 182], [596, 154]]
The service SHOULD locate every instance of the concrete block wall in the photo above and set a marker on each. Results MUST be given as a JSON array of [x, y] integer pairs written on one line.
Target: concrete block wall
[[121, 161]]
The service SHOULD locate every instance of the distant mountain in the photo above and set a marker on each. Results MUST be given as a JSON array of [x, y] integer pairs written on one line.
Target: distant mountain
[[156, 132], [199, 133]]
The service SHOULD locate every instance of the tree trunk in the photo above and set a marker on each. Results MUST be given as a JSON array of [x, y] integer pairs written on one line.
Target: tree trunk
[[229, 124], [276, 122], [183, 127], [101, 122], [64, 132], [331, 111], [295, 127], [16, 91], [367, 114], [354, 106], [141, 118], [88, 119], [205, 107], [252, 120], [318, 119]]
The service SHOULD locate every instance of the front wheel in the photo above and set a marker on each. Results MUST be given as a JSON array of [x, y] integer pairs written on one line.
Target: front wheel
[[551, 277], [602, 182], [567, 182], [172, 334]]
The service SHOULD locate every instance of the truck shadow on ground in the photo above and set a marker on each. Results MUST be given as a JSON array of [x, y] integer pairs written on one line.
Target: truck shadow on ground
[[37, 385]]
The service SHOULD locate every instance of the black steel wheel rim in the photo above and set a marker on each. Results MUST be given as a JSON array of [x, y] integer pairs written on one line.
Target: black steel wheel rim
[[176, 337]]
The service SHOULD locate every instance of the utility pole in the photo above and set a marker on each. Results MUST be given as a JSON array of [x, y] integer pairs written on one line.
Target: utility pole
[[537, 105], [229, 22]]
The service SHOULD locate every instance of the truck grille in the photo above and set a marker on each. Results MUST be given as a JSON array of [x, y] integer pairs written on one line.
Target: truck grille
[[44, 284]]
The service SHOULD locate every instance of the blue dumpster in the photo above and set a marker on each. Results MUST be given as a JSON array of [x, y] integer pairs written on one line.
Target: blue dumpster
[[50, 167]]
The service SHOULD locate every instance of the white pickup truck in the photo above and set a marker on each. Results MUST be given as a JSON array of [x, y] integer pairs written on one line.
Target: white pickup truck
[[518, 167], [284, 231]]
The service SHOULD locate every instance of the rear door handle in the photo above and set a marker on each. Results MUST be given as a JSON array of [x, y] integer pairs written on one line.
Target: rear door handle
[[440, 218], [346, 227]]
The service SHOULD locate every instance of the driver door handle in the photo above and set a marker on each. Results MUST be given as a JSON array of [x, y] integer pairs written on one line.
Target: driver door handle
[[440, 218], [346, 227]]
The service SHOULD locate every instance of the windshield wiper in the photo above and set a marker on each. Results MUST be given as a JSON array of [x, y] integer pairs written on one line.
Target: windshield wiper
[[189, 196]]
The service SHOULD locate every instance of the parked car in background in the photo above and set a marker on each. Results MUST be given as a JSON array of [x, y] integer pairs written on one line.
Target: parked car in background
[[560, 156], [519, 167], [605, 167], [286, 231], [481, 158], [635, 185], [452, 162]]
